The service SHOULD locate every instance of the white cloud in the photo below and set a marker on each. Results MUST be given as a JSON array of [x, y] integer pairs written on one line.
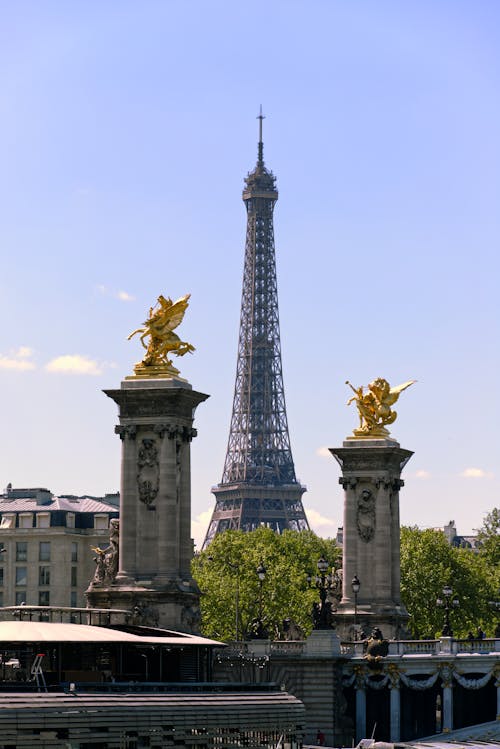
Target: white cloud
[[318, 522], [74, 364], [199, 527], [323, 452], [125, 297], [19, 359], [476, 473], [421, 474]]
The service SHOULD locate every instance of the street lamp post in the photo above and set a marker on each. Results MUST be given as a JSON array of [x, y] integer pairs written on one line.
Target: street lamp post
[[447, 603], [322, 615], [355, 585], [260, 630]]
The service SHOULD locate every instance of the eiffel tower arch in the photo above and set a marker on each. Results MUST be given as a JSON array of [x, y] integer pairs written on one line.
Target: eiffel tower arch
[[258, 486]]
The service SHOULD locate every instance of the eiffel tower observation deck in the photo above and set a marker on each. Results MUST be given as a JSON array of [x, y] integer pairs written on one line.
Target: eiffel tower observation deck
[[259, 486]]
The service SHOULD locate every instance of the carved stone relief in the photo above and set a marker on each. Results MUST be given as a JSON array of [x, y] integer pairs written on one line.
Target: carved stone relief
[[365, 515], [148, 471]]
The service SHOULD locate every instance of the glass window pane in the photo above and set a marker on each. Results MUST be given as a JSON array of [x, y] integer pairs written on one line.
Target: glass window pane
[[45, 551], [44, 598], [44, 576], [74, 572], [20, 597], [74, 551], [21, 551], [21, 576]]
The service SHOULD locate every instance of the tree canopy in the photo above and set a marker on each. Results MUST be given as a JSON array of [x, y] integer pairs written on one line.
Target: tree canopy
[[227, 575], [428, 563]]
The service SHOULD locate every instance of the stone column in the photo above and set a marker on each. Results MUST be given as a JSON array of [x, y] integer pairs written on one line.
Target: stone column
[[371, 470], [395, 707], [497, 684], [154, 579], [360, 708], [447, 681]]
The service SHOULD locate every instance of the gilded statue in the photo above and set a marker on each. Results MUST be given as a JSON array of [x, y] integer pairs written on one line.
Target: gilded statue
[[374, 407], [163, 318]]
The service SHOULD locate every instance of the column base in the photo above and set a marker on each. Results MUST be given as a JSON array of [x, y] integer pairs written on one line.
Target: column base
[[172, 606]]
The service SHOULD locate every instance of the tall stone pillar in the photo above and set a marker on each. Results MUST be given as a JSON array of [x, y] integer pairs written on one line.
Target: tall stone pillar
[[371, 470], [395, 708], [360, 708], [153, 578]]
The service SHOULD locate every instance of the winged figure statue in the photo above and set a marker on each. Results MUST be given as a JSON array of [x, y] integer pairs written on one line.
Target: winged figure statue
[[374, 406], [163, 318]]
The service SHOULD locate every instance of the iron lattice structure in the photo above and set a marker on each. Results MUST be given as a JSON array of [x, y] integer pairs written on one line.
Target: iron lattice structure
[[259, 486]]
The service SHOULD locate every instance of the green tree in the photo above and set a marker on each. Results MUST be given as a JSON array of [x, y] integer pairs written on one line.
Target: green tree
[[428, 563], [227, 575], [489, 540]]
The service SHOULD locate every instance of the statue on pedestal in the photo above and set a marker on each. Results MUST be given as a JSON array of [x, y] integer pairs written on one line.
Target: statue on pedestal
[[374, 407], [107, 559], [163, 318]]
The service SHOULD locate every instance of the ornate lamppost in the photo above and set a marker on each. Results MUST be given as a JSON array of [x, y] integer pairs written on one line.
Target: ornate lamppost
[[448, 603], [260, 630], [322, 614], [355, 585]]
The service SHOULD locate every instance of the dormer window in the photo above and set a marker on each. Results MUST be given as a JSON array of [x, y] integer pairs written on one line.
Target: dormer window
[[26, 520], [43, 520], [101, 522]]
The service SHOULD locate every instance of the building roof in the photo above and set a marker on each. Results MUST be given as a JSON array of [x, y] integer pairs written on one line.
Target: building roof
[[19, 631], [77, 504]]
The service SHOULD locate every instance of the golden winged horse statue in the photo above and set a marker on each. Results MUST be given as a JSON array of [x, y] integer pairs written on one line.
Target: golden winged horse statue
[[163, 318], [374, 406]]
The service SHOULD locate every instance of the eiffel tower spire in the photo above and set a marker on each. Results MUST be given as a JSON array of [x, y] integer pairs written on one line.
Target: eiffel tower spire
[[259, 486]]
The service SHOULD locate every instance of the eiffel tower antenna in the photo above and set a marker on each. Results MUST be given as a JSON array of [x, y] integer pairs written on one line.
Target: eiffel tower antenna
[[258, 486]]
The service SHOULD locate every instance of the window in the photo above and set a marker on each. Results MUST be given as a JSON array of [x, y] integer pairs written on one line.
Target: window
[[74, 572], [44, 576], [8, 521], [74, 551], [1, 597], [26, 520], [21, 551], [2, 552], [44, 551], [21, 576], [20, 597], [44, 598], [70, 520], [72, 599], [43, 520], [1, 576], [101, 522]]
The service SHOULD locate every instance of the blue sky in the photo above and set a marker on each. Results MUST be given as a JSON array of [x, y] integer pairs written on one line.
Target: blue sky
[[126, 130]]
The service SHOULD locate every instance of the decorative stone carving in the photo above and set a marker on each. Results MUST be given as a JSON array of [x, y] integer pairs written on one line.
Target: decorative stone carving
[[366, 515], [107, 559], [126, 432], [145, 615], [348, 483], [191, 618], [148, 473]]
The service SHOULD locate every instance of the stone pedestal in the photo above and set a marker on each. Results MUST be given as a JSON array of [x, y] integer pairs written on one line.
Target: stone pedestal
[[155, 546], [371, 470]]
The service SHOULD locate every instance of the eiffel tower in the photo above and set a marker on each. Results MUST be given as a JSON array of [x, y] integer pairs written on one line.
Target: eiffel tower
[[258, 484]]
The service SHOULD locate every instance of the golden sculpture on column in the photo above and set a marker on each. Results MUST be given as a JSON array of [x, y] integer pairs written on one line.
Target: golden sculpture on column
[[163, 318], [374, 407]]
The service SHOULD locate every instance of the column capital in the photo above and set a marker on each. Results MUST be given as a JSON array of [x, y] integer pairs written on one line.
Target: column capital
[[126, 432]]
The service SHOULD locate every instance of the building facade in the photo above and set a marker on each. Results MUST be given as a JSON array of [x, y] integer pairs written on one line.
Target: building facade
[[46, 542]]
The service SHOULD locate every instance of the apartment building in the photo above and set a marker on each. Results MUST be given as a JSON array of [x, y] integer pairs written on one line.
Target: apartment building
[[46, 542]]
